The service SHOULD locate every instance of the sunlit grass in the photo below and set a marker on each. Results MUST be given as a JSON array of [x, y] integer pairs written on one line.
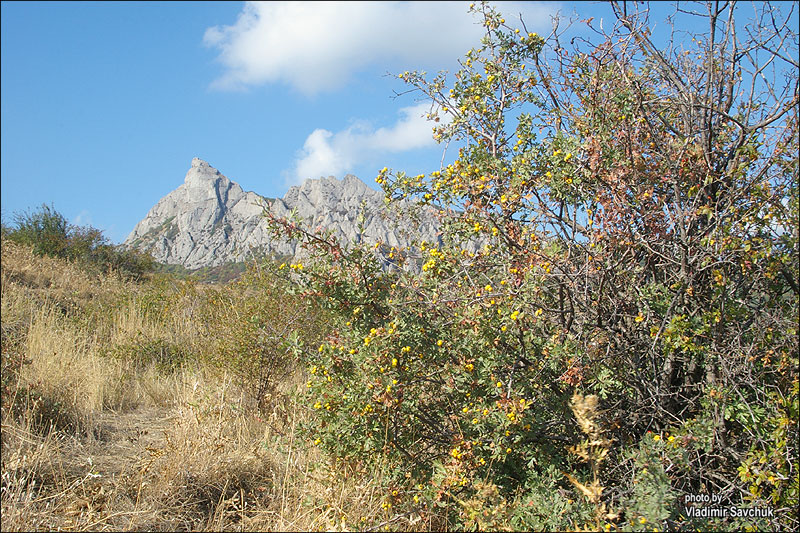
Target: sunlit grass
[[101, 430]]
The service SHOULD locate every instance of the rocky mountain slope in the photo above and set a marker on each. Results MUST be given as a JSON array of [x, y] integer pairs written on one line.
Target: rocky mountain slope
[[210, 220]]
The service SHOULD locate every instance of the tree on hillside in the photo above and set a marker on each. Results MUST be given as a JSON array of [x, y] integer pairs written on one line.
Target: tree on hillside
[[628, 330]]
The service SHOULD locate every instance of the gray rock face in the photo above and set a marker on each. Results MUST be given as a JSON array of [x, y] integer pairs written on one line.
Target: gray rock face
[[210, 220]]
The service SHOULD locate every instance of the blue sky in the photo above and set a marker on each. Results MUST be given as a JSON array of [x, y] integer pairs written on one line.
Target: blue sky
[[104, 105]]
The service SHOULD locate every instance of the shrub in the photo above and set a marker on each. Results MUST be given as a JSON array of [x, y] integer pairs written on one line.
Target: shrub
[[46, 230], [253, 328], [166, 357], [636, 241], [127, 262], [49, 233]]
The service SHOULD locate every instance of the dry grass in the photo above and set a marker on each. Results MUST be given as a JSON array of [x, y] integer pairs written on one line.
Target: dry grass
[[96, 441]]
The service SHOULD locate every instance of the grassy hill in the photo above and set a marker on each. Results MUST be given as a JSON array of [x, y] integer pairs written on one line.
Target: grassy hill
[[162, 404]]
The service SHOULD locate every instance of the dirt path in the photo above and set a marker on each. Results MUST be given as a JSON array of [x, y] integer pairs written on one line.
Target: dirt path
[[123, 439], [107, 469], [151, 469]]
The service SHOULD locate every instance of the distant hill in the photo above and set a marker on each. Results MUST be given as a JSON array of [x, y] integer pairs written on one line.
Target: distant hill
[[210, 220]]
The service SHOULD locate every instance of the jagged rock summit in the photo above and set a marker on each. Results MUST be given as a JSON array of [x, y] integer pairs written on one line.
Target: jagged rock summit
[[210, 220]]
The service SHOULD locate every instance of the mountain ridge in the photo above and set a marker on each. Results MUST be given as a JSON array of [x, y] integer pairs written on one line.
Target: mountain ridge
[[210, 220]]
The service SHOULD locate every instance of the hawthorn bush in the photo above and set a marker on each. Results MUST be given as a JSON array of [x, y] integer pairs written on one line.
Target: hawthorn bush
[[625, 333]]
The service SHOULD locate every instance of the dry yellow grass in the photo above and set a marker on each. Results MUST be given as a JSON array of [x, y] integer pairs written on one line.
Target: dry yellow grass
[[96, 441]]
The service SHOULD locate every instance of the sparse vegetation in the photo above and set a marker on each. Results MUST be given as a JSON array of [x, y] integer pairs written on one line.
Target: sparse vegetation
[[217, 274], [49, 233], [128, 405]]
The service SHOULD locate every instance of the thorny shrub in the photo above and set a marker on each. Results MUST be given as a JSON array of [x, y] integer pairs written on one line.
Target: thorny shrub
[[635, 208]]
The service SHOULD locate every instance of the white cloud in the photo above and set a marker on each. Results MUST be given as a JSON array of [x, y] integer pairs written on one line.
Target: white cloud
[[326, 153], [84, 218], [317, 46]]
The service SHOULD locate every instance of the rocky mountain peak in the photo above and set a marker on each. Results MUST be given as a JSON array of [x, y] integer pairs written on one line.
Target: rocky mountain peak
[[210, 220], [205, 183], [201, 174]]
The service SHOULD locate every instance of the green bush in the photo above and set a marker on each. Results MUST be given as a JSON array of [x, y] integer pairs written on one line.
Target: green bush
[[49, 233], [45, 229], [165, 356], [128, 262], [616, 258], [253, 329]]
